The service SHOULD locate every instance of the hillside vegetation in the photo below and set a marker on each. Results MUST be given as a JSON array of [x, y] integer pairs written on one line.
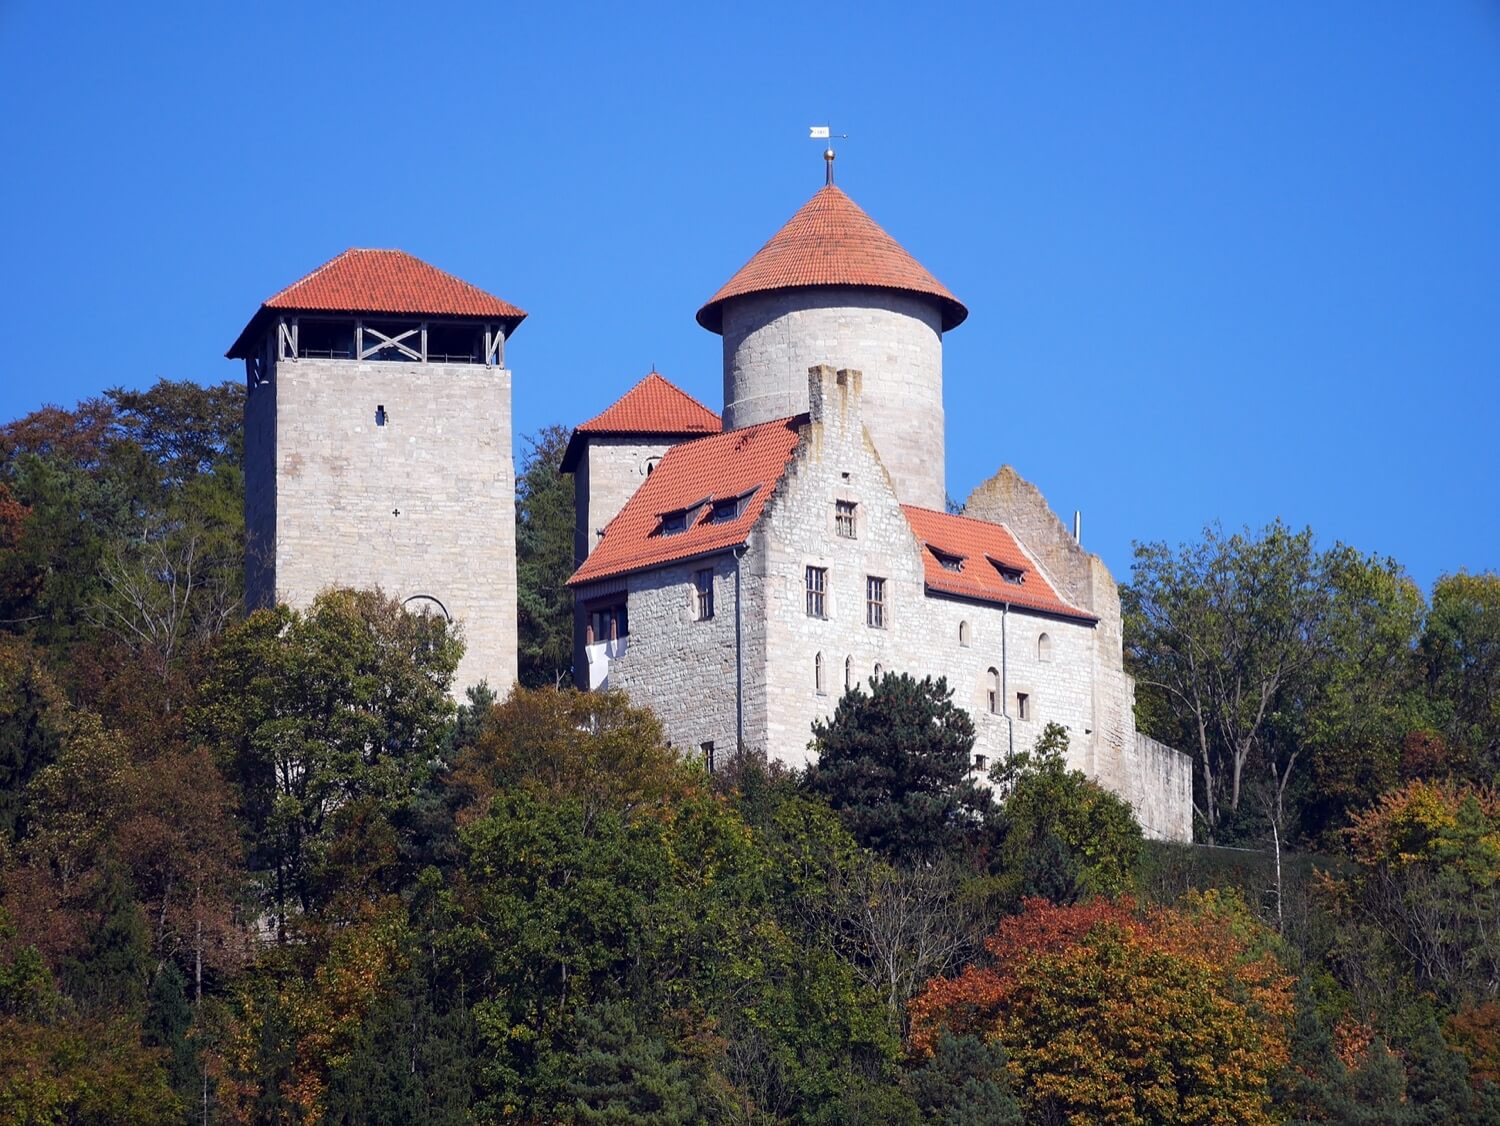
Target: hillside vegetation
[[261, 868]]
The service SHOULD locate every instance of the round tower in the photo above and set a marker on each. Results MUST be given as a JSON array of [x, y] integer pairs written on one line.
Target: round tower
[[831, 287]]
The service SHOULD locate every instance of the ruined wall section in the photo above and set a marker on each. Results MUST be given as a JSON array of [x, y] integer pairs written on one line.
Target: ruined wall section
[[422, 507]]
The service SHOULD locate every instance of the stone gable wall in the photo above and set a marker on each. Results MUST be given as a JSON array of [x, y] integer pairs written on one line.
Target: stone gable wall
[[443, 461]]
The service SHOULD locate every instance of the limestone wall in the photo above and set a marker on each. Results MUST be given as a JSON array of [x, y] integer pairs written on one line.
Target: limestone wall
[[422, 507], [771, 339], [836, 461], [682, 668], [1164, 790]]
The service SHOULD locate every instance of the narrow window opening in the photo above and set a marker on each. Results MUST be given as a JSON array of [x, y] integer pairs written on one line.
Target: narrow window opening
[[848, 673], [963, 634], [980, 762], [1044, 649], [1023, 705], [992, 692], [708, 755], [879, 670], [843, 519], [380, 415], [875, 602], [703, 594], [818, 684], [817, 585]]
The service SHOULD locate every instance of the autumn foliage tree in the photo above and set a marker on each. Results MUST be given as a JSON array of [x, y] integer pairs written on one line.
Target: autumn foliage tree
[[1110, 1015]]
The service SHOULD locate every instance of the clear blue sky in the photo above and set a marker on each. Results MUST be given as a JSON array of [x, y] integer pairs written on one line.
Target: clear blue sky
[[1223, 261]]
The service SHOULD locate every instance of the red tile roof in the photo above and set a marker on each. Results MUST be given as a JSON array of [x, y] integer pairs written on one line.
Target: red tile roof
[[733, 464], [980, 545], [653, 406], [831, 241], [380, 281]]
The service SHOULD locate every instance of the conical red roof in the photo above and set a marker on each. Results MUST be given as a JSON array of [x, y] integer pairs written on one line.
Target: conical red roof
[[381, 281], [831, 241]]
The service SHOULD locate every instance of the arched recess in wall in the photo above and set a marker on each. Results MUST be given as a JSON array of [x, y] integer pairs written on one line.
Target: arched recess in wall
[[818, 682], [992, 690], [879, 670], [848, 673], [963, 634], [425, 604], [1044, 648]]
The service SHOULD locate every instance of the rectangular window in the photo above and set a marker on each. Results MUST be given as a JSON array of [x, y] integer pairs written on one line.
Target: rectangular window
[[608, 623], [875, 603], [843, 518], [1023, 706], [817, 584], [980, 762], [708, 755], [703, 594], [725, 510]]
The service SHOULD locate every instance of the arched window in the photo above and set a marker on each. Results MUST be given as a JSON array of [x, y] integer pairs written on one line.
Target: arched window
[[879, 670], [848, 673], [963, 634], [425, 604], [992, 692], [818, 674], [1044, 648]]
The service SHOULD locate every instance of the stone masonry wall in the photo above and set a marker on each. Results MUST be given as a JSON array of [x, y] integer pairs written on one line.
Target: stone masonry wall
[[684, 669], [422, 507], [606, 476], [1084, 580], [836, 461], [771, 339], [1165, 808]]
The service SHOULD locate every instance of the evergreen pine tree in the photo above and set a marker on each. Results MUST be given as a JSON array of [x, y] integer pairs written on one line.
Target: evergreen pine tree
[[168, 1018], [965, 1084], [109, 974]]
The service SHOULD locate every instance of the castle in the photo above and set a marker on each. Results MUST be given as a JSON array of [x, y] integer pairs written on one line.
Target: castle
[[736, 573]]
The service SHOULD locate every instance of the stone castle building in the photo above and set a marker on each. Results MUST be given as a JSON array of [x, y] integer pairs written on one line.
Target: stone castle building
[[735, 573], [738, 574], [378, 447]]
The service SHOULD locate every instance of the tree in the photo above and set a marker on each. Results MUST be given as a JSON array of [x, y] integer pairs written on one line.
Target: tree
[[896, 767], [1065, 836], [325, 720], [965, 1083], [1460, 649], [1255, 650], [544, 561], [1180, 1016]]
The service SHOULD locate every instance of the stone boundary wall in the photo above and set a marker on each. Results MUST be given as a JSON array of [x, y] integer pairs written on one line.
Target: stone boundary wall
[[1163, 797]]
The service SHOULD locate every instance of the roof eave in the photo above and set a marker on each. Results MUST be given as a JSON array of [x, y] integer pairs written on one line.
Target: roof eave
[[255, 327], [954, 312]]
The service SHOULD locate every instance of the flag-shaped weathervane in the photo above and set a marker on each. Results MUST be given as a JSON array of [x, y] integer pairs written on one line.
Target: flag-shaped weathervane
[[817, 132]]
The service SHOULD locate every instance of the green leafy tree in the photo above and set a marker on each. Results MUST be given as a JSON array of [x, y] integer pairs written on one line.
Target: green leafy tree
[[544, 560], [1065, 836], [896, 765], [329, 723], [1460, 650]]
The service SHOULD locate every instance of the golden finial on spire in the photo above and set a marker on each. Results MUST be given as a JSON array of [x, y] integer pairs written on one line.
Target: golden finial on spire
[[828, 158], [824, 133]]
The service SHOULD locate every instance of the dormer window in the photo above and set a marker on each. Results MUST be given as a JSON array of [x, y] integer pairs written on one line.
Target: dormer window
[[673, 522], [946, 559], [725, 510], [1013, 575]]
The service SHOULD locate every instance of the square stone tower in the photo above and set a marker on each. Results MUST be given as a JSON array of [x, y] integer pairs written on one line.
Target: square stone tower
[[378, 448]]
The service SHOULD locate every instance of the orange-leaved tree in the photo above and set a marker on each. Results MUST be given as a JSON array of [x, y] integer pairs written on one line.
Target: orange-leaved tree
[[1110, 1015]]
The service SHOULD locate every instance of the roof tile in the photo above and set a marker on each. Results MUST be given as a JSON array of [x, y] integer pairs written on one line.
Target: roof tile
[[980, 545], [831, 241], [746, 461]]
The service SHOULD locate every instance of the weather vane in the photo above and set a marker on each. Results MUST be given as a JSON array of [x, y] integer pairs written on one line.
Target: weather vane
[[822, 133]]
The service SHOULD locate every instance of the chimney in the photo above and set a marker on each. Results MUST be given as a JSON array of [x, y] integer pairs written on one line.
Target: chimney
[[833, 397]]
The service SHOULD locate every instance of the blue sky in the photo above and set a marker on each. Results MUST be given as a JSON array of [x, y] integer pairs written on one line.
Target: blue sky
[[1223, 261]]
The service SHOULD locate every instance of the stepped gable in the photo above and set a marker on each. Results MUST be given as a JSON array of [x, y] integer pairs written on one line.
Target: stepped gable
[[831, 241], [654, 406], [746, 464], [981, 550], [379, 281]]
